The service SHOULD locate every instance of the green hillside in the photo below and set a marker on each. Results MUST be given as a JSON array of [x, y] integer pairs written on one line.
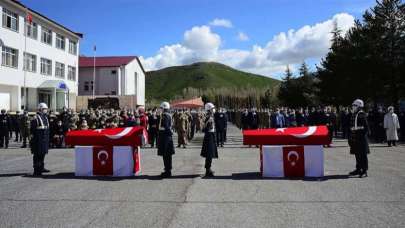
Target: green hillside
[[170, 82]]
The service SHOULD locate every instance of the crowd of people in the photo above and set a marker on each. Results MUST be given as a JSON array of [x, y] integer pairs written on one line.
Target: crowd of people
[[48, 129]]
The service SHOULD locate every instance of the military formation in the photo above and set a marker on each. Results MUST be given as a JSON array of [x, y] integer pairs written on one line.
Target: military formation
[[45, 130]]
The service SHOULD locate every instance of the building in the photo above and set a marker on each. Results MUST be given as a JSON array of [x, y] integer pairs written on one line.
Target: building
[[114, 76], [39, 60]]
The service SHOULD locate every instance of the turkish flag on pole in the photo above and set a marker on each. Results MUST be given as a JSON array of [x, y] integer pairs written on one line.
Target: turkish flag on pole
[[292, 161], [29, 18]]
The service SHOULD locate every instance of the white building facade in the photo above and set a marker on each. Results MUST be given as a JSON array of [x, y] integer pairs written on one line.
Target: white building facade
[[39, 60], [114, 76]]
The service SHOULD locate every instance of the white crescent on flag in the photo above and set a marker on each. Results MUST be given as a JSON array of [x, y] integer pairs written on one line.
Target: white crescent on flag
[[121, 134], [309, 132]]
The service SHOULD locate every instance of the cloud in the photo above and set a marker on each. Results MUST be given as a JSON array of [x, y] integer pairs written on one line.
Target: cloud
[[242, 36], [292, 47], [220, 22]]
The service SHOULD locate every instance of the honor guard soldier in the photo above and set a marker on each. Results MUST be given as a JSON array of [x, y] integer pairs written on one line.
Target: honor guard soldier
[[40, 139], [5, 127], [165, 140], [209, 148], [358, 138]]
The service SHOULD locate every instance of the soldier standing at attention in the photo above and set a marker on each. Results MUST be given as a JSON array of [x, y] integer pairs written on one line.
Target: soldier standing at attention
[[209, 148], [25, 128], [182, 129], [165, 140], [153, 127], [358, 141], [5, 126], [220, 127], [40, 139]]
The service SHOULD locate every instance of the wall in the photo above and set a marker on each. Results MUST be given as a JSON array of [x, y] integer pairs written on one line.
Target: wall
[[105, 80], [15, 76], [130, 89]]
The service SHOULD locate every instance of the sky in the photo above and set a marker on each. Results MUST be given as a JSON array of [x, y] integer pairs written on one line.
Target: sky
[[258, 36]]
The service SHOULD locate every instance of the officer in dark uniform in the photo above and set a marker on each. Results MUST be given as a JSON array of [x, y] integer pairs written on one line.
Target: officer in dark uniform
[[220, 127], [153, 127], [165, 140], [16, 126], [40, 139], [358, 138], [244, 120], [253, 119], [209, 148], [5, 126]]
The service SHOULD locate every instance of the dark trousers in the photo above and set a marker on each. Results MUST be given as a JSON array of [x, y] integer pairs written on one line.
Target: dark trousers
[[361, 161], [391, 142], [17, 135], [225, 136], [4, 139], [220, 137], [167, 161], [208, 162], [38, 162], [152, 134]]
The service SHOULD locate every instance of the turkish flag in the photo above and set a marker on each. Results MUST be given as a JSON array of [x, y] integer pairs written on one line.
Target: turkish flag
[[29, 18], [294, 161], [313, 135], [103, 160]]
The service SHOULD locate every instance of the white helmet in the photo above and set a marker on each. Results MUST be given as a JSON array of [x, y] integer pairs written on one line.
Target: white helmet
[[209, 106], [358, 103], [165, 105], [42, 106]]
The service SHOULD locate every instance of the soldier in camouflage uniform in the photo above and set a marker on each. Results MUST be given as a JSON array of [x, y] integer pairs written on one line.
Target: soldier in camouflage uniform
[[182, 129], [25, 122]]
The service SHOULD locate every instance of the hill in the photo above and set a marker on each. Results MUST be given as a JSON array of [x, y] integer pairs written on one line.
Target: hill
[[170, 82]]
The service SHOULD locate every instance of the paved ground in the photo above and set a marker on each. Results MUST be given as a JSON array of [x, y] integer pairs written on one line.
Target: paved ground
[[236, 197]]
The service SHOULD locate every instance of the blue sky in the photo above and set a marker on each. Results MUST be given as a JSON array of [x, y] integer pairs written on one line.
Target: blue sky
[[143, 27]]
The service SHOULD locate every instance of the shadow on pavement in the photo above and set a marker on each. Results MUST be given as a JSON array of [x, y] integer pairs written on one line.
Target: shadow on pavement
[[234, 176], [71, 175], [12, 174], [257, 176]]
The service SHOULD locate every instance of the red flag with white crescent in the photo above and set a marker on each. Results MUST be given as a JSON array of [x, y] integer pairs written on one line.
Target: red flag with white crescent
[[294, 161], [313, 135], [103, 160], [129, 136]]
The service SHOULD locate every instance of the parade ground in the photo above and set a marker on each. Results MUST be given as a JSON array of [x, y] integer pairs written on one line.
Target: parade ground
[[236, 197]]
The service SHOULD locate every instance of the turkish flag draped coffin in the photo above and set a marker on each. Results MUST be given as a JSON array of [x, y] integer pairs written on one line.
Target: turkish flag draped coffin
[[129, 136], [314, 135], [292, 161], [107, 160]]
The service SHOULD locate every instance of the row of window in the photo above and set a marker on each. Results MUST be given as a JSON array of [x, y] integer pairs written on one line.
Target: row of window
[[10, 21], [10, 59]]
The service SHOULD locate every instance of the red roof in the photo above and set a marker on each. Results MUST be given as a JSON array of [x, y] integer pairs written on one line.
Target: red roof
[[107, 61]]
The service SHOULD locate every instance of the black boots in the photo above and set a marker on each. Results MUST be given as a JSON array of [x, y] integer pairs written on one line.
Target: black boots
[[209, 173], [354, 172], [166, 174]]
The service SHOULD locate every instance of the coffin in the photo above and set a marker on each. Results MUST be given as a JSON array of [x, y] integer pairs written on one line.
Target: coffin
[[313, 135], [129, 136]]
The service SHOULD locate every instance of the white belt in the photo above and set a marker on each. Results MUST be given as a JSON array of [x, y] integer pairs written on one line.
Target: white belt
[[356, 128], [42, 127]]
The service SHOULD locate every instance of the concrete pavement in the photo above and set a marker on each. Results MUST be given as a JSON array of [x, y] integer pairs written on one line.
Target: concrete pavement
[[236, 197]]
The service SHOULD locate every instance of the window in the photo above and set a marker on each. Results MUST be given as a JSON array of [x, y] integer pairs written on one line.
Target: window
[[31, 29], [46, 35], [9, 57], [10, 20], [72, 73], [46, 66], [60, 41], [30, 62], [59, 70], [113, 72], [87, 85], [72, 47]]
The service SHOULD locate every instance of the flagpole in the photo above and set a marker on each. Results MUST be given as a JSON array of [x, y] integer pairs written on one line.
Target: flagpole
[[94, 71]]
